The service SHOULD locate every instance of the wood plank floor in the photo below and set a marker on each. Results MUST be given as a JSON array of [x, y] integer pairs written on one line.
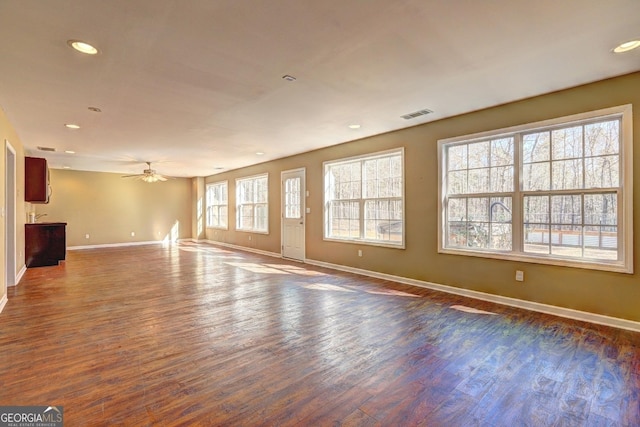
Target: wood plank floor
[[194, 334]]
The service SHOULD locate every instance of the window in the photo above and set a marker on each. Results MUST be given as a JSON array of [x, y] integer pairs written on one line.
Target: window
[[556, 192], [217, 205], [252, 204], [364, 199]]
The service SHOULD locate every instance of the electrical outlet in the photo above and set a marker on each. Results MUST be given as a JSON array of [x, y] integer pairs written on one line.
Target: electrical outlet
[[249, 237], [359, 252], [86, 236], [133, 234], [520, 276]]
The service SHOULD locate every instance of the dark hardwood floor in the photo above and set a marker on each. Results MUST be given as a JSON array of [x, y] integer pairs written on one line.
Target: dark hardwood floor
[[199, 335]]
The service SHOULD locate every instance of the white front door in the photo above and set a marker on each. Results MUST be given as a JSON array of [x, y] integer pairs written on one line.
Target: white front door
[[293, 212]]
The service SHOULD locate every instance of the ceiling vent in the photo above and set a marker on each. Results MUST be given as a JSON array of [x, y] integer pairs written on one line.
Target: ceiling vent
[[416, 114], [46, 149]]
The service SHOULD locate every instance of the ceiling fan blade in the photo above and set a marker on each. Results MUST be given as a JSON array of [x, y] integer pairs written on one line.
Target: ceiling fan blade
[[148, 175]]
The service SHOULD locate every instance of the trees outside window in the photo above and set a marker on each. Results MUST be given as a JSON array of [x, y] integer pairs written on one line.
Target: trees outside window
[[549, 192], [252, 204], [364, 199], [217, 205]]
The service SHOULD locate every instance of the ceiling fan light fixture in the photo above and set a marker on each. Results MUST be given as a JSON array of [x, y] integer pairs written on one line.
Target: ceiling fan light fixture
[[82, 47], [147, 175], [150, 178]]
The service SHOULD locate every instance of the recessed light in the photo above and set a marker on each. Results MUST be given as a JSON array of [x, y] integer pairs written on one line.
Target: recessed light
[[69, 151], [66, 167], [627, 46], [354, 126], [82, 47], [218, 168], [72, 126], [259, 153], [289, 78]]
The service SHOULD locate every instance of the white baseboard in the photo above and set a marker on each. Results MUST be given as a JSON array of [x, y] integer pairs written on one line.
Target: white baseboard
[[513, 302], [20, 274], [3, 302], [116, 245]]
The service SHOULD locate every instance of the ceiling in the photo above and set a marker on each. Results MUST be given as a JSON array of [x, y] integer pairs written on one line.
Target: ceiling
[[196, 86]]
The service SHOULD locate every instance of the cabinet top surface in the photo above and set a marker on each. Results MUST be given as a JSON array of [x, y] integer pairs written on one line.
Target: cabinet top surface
[[31, 224]]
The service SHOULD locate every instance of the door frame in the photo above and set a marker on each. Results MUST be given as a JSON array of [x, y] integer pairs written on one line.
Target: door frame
[[10, 215], [303, 210]]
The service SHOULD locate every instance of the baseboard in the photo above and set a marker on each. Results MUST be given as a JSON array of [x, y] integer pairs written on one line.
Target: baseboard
[[20, 274], [116, 245], [3, 302], [513, 302], [240, 248]]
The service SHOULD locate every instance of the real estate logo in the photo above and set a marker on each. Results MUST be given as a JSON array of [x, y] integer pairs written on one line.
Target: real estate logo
[[31, 416]]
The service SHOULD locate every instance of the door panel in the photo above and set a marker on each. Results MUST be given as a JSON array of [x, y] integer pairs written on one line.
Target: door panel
[[293, 214]]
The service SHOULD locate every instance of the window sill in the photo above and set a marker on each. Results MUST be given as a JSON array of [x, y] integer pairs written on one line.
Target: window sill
[[615, 267], [252, 231], [365, 242]]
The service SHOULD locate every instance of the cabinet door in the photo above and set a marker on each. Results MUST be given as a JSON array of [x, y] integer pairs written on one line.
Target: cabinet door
[[45, 244], [36, 180]]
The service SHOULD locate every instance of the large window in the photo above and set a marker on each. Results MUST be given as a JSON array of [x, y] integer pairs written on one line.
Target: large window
[[364, 199], [217, 205], [556, 192], [252, 204]]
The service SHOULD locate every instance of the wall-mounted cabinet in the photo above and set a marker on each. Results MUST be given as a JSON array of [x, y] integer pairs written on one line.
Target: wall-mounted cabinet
[[36, 180]]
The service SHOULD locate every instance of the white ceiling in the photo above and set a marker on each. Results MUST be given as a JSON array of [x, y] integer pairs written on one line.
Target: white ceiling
[[195, 85]]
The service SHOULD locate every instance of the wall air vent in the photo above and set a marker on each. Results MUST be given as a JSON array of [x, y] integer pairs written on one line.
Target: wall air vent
[[46, 149], [416, 114]]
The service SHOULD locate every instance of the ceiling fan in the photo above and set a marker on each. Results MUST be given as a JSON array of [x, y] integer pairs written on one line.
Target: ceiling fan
[[148, 175]]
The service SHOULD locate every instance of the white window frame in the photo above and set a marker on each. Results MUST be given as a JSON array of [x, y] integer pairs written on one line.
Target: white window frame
[[253, 202], [216, 205], [361, 201], [624, 263]]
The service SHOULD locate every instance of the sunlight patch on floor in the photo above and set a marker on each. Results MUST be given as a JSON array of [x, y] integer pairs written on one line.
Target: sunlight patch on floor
[[296, 270], [326, 287], [256, 268], [471, 310]]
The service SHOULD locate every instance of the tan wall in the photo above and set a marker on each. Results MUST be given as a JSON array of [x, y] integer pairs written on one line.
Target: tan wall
[[8, 133], [108, 208], [593, 291]]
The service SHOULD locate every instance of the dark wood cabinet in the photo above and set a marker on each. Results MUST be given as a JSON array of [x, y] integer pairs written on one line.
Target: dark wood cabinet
[[36, 180], [45, 243]]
